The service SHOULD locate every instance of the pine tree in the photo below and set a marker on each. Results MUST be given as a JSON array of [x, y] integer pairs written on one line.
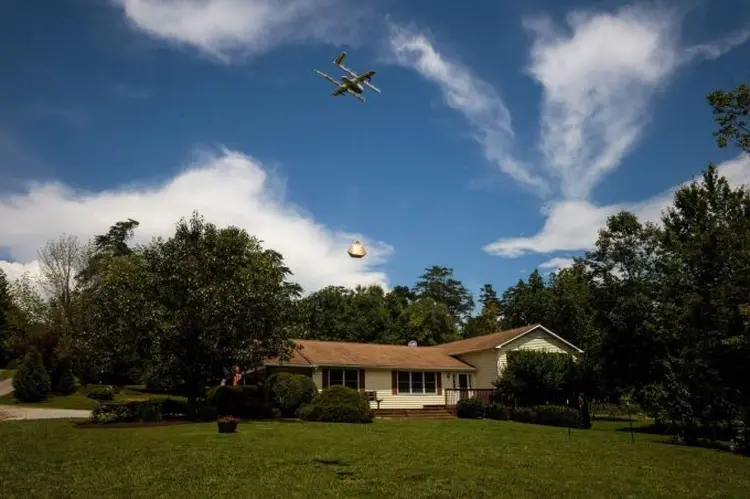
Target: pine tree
[[32, 382]]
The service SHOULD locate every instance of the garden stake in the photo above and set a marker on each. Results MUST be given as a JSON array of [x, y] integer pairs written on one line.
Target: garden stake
[[630, 419]]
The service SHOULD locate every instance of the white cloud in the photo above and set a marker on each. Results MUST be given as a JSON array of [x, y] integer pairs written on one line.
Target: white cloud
[[468, 94], [557, 263], [231, 29], [574, 225], [228, 189], [14, 270]]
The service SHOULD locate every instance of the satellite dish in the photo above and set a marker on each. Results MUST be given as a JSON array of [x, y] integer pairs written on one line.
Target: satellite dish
[[412, 343], [356, 250]]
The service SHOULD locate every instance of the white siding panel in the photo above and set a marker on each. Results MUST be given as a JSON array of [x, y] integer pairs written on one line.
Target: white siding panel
[[485, 362], [536, 340]]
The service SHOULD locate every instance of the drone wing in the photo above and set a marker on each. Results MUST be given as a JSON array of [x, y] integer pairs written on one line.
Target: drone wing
[[364, 78], [328, 78]]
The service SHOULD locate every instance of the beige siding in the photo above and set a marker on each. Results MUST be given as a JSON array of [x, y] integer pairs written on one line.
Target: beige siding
[[380, 380], [485, 362], [536, 340]]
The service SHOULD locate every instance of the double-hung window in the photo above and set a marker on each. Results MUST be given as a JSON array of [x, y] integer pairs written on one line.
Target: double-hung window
[[417, 382], [346, 377]]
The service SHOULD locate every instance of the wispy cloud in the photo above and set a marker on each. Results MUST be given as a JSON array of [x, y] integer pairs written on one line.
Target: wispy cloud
[[575, 225], [468, 94], [556, 263], [228, 188], [227, 30]]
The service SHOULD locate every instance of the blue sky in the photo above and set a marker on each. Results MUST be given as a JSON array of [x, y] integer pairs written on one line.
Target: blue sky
[[503, 138]]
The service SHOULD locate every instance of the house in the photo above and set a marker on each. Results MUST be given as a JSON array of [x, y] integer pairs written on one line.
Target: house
[[415, 377]]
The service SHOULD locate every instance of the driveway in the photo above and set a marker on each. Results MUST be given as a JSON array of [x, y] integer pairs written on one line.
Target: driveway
[[10, 413], [6, 386]]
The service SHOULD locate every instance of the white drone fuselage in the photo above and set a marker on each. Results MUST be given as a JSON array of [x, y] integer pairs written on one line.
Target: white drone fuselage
[[353, 84]]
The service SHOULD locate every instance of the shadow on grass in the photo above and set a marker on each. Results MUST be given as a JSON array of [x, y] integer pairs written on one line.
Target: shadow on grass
[[331, 462]]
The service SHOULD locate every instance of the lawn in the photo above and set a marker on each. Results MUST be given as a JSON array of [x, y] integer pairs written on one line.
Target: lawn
[[409, 459], [80, 401], [7, 374]]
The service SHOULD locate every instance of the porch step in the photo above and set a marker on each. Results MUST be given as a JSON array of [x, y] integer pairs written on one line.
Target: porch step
[[426, 413]]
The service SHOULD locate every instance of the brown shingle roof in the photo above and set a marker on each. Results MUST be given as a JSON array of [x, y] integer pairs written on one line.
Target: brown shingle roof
[[483, 342], [337, 353]]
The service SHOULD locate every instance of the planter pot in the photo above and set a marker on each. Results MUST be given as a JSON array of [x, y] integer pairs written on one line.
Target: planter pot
[[227, 426]]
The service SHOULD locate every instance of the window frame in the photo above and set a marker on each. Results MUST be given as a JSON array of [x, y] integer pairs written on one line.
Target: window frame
[[424, 375], [343, 377]]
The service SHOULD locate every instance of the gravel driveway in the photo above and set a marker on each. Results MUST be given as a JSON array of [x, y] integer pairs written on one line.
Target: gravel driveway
[[9, 413]]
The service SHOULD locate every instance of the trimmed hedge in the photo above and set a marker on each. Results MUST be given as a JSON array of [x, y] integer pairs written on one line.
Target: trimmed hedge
[[549, 415], [103, 394], [338, 404], [150, 410], [289, 392], [499, 412], [472, 408]]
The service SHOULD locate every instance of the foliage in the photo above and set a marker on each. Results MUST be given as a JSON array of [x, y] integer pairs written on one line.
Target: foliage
[[557, 415], [471, 408], [246, 401], [523, 414], [219, 299], [289, 392], [5, 317], [64, 381], [533, 377], [141, 411], [104, 393], [31, 382], [731, 110], [338, 404], [498, 411], [438, 283]]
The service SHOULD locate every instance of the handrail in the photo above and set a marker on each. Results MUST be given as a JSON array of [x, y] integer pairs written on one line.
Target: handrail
[[453, 395]]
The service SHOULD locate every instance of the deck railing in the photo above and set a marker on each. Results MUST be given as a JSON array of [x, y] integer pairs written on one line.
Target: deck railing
[[453, 395]]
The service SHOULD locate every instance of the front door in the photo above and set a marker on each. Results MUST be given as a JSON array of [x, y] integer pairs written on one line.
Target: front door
[[463, 386]]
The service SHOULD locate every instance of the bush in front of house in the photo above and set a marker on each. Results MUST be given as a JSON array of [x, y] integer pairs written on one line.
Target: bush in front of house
[[289, 392], [243, 401], [557, 415], [471, 408], [101, 393], [31, 382], [143, 411], [523, 415], [499, 411], [338, 404]]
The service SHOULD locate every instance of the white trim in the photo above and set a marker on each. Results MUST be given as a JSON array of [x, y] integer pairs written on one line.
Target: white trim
[[545, 330]]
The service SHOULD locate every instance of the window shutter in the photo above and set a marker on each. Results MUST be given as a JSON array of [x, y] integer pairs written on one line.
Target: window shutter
[[439, 381], [361, 379], [325, 378], [394, 382]]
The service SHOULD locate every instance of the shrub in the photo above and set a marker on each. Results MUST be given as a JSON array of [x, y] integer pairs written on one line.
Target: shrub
[[338, 404], [149, 411], [534, 378], [144, 410], [523, 415], [557, 415], [245, 401], [499, 411], [31, 382], [289, 392], [471, 408], [66, 382], [202, 411], [103, 393]]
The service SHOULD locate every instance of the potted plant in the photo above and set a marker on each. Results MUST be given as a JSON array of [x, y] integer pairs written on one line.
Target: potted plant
[[227, 424]]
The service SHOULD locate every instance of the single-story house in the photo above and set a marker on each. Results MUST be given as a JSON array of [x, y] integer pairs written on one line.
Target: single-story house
[[413, 377]]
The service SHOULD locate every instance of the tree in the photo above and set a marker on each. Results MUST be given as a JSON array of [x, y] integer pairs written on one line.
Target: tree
[[326, 314], [5, 317], [488, 320], [570, 313], [427, 322], [732, 114], [60, 260], [31, 383], [439, 284], [219, 299], [525, 303]]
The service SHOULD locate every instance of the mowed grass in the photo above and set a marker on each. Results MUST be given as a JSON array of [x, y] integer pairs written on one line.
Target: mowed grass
[[79, 400], [399, 459], [7, 374]]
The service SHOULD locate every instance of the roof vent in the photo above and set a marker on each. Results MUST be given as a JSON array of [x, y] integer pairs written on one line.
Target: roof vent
[[412, 343]]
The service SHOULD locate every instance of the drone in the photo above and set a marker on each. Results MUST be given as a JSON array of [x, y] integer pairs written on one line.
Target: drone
[[353, 84]]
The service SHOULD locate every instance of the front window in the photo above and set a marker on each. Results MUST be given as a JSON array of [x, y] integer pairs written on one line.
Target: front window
[[416, 382], [346, 377]]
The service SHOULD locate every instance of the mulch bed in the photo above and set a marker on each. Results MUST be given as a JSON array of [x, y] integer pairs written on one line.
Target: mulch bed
[[134, 424]]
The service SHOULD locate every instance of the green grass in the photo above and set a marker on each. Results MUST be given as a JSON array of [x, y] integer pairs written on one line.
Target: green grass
[[401, 459], [79, 400], [7, 374]]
